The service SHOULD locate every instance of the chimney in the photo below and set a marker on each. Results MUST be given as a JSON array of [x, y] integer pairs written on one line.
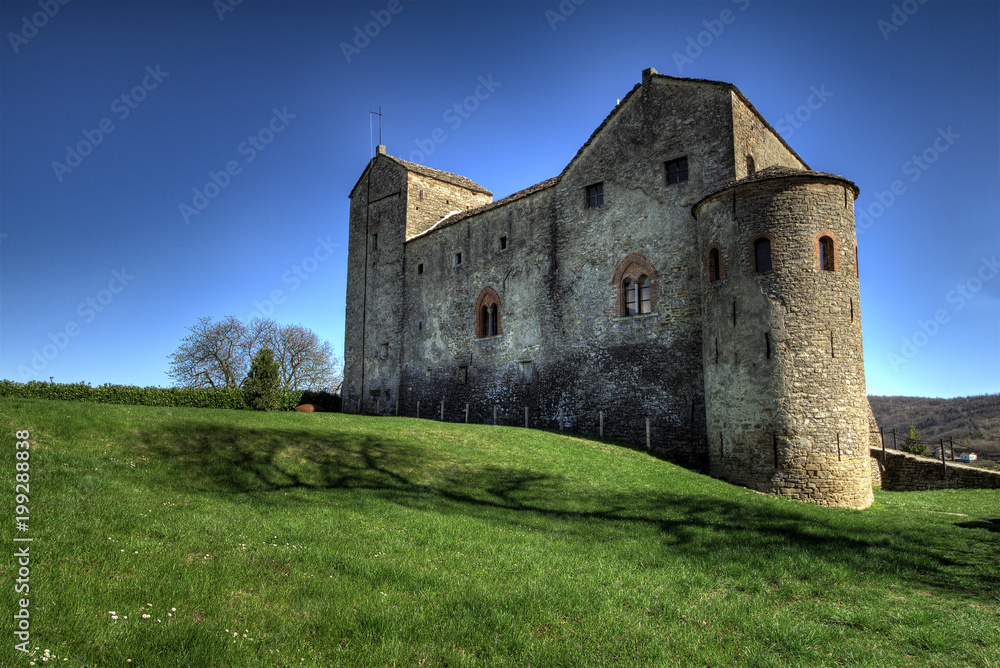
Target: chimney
[[647, 75], [380, 149]]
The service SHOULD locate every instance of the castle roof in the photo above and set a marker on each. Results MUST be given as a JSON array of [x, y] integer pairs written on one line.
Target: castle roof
[[777, 172], [457, 216], [439, 174]]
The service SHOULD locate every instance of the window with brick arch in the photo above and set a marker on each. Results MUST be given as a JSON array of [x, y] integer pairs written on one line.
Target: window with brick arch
[[635, 284], [637, 296], [762, 255], [487, 314], [826, 256]]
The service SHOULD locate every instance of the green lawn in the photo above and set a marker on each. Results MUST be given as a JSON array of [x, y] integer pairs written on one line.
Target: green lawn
[[290, 539]]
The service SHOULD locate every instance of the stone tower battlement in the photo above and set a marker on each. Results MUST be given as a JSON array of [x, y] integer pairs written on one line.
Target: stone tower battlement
[[687, 281]]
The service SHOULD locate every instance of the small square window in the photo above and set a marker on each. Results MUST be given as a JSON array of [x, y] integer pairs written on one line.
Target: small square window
[[677, 170], [595, 195], [458, 259], [503, 243], [384, 351]]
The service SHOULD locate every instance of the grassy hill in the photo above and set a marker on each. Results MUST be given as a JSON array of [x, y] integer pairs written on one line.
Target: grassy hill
[[974, 422], [196, 537]]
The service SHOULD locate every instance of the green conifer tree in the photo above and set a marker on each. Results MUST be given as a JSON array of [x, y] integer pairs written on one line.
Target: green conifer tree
[[262, 386], [912, 442]]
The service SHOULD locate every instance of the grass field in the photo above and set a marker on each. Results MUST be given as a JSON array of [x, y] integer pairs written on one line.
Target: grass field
[[195, 537]]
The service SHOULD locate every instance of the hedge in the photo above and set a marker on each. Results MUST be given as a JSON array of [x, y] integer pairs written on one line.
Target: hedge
[[191, 397]]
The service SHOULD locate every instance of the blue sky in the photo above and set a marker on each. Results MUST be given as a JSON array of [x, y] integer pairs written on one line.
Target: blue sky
[[164, 161]]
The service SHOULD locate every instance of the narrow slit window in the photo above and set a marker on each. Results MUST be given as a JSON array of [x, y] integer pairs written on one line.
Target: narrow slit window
[[458, 259], [714, 270], [762, 255], [751, 165], [826, 257], [420, 269], [503, 243], [767, 344]]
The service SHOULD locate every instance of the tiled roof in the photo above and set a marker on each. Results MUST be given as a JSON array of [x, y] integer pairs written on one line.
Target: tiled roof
[[441, 175], [777, 172]]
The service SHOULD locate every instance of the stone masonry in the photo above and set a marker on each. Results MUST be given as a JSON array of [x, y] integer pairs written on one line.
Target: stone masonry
[[628, 286]]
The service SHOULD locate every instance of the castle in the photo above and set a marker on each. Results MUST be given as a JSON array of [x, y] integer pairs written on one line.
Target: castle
[[687, 281]]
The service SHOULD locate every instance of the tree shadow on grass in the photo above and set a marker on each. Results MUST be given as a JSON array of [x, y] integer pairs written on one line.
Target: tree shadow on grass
[[734, 534]]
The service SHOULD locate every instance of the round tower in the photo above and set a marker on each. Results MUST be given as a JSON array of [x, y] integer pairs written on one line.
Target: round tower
[[784, 372]]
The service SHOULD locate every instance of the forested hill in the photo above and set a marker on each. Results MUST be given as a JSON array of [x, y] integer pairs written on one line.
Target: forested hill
[[971, 419]]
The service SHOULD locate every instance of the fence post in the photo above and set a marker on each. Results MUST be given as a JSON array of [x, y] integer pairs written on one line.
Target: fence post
[[881, 433], [601, 414], [442, 410], [418, 409], [397, 407], [494, 416], [944, 464], [952, 442], [647, 435], [466, 413], [894, 440], [526, 417]]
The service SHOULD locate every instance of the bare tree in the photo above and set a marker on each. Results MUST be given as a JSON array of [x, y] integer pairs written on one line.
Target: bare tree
[[306, 361], [218, 354], [212, 355]]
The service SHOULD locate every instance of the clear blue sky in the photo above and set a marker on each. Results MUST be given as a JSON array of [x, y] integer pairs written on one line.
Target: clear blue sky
[[102, 271]]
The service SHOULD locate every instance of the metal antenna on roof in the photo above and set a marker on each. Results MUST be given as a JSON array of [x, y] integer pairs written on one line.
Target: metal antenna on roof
[[379, 114]]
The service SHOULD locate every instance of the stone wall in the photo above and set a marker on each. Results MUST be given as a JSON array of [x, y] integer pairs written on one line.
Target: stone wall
[[744, 367], [905, 472], [785, 387]]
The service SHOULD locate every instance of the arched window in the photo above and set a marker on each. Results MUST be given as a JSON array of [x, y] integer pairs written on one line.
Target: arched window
[[631, 297], [762, 254], [635, 284], [488, 313], [714, 271], [826, 256], [751, 165], [645, 300]]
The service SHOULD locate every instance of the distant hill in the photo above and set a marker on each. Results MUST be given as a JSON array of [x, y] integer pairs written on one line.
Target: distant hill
[[973, 422]]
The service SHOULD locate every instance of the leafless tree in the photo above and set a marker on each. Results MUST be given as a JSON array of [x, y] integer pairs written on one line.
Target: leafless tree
[[218, 354]]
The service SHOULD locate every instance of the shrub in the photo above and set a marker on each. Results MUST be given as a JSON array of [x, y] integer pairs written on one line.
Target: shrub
[[190, 397], [912, 442], [262, 387]]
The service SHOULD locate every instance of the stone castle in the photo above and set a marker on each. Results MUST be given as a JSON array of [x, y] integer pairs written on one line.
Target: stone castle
[[687, 282]]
